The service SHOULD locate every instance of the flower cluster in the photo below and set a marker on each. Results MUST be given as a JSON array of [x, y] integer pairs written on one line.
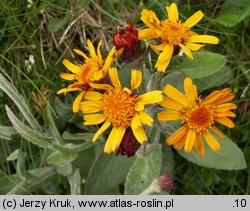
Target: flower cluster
[[104, 101]]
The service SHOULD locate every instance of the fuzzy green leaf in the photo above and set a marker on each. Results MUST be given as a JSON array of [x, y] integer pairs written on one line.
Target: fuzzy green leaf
[[75, 182], [34, 137], [106, 173], [143, 171], [230, 157], [14, 155], [203, 64], [6, 132], [219, 78], [12, 92], [61, 159], [13, 184]]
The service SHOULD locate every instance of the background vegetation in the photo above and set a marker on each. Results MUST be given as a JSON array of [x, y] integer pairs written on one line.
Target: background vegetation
[[46, 31]]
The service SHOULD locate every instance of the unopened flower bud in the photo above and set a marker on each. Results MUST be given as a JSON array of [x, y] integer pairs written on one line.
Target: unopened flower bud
[[127, 39]]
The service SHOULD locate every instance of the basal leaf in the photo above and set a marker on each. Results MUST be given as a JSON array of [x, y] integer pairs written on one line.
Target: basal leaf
[[33, 136], [107, 172], [143, 171], [230, 157], [12, 92]]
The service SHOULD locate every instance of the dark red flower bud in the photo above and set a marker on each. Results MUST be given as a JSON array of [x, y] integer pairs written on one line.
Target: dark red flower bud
[[127, 39], [129, 144], [165, 182]]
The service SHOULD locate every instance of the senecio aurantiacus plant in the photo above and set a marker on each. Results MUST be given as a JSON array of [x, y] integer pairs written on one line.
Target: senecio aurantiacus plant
[[130, 112]]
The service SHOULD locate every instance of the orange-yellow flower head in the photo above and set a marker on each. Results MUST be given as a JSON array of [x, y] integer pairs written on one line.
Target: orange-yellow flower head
[[197, 115], [173, 33], [120, 107], [92, 70]]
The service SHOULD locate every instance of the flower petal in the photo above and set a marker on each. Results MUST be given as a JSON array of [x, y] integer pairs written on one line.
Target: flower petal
[[149, 17], [178, 135], [139, 134], [118, 138], [225, 121], [225, 107], [101, 86], [114, 139], [194, 19], [91, 106], [204, 39], [77, 102], [190, 92], [93, 119], [136, 121], [211, 141], [151, 97], [160, 47], [168, 102], [136, 79], [92, 50], [71, 67], [193, 46], [164, 58], [68, 76], [113, 75], [94, 96], [190, 139], [108, 62], [145, 118], [186, 51], [226, 114], [173, 14], [218, 132], [199, 145], [227, 98], [147, 34], [175, 94], [80, 53], [169, 115], [99, 51], [101, 130], [67, 89]]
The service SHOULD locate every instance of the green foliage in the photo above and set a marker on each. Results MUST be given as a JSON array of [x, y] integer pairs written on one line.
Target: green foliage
[[223, 159], [106, 173], [143, 171], [61, 159], [203, 64], [233, 12]]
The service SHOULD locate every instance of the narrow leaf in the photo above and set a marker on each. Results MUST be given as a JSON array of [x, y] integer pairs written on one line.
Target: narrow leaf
[[6, 132], [12, 92], [29, 134]]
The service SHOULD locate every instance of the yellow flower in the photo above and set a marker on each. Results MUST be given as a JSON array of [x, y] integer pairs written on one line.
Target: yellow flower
[[173, 33], [92, 70], [197, 116], [120, 107]]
